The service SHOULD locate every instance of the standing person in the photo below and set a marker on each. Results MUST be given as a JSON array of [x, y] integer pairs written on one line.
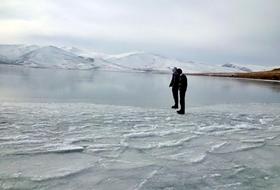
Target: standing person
[[183, 84], [175, 86]]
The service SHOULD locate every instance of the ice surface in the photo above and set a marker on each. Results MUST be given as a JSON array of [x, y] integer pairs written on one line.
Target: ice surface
[[88, 146]]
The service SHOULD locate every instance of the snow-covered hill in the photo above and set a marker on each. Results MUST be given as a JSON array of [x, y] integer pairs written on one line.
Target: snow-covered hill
[[84, 52], [53, 57], [248, 68], [75, 58], [10, 53], [140, 61]]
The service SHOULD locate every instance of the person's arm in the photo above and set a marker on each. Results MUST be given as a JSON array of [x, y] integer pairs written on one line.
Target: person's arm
[[186, 82], [179, 83], [172, 81], [183, 82]]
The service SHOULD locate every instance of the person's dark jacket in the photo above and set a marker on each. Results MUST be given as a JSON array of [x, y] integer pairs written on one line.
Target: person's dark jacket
[[183, 82], [174, 83]]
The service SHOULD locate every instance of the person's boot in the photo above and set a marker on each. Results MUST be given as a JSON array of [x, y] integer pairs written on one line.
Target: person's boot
[[174, 107], [181, 112]]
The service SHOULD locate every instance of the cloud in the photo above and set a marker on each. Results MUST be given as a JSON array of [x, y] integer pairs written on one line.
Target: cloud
[[234, 30]]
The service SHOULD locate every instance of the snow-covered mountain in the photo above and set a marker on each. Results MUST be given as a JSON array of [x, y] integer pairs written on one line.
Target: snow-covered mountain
[[10, 53], [75, 58], [84, 52], [140, 61], [53, 57]]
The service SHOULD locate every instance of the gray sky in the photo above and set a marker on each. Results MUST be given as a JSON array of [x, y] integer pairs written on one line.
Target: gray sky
[[213, 31]]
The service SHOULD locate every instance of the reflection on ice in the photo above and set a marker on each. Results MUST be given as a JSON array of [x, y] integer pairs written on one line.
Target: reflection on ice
[[70, 146]]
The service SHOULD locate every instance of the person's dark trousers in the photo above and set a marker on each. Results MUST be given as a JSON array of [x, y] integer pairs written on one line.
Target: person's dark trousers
[[175, 96], [182, 100]]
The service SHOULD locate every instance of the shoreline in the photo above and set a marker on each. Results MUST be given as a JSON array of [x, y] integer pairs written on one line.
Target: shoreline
[[235, 77], [265, 76]]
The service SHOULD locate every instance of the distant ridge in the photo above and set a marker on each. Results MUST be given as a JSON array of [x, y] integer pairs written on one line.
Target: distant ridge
[[230, 65], [74, 58]]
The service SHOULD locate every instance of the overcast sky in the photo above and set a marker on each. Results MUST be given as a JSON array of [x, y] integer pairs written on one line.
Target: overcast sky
[[213, 31]]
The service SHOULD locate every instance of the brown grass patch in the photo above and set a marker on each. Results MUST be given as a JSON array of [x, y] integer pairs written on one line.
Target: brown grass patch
[[268, 75], [265, 75]]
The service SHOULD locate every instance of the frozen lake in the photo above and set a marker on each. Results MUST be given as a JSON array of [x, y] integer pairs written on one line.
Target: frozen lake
[[105, 130], [130, 89]]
